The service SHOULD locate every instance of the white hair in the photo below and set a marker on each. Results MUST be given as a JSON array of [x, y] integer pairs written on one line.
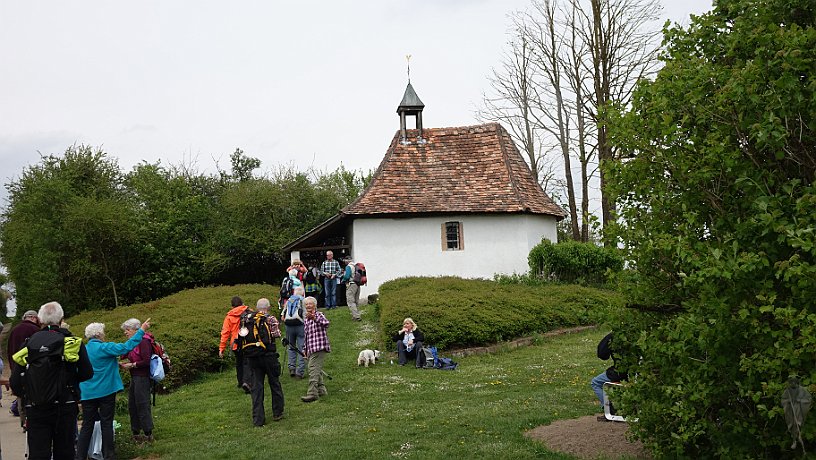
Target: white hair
[[95, 331], [263, 304], [310, 301], [51, 314], [131, 324]]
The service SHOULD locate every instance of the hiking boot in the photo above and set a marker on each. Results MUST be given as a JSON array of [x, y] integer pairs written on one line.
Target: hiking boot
[[309, 398], [322, 393], [247, 388], [277, 418]]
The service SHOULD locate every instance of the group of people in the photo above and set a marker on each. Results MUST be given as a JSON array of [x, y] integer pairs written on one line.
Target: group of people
[[322, 283], [306, 340], [53, 372]]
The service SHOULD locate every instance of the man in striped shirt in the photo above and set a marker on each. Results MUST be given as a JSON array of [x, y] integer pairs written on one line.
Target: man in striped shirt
[[330, 270], [316, 348]]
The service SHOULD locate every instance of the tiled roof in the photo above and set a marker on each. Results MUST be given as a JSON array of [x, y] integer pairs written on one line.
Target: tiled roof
[[467, 169]]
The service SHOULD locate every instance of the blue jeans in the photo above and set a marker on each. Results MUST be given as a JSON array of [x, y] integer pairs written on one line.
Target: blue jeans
[[330, 288], [92, 410], [597, 384], [296, 336]]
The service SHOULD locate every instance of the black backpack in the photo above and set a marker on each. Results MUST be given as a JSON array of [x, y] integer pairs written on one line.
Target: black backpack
[[45, 378], [287, 287], [310, 277], [254, 334]]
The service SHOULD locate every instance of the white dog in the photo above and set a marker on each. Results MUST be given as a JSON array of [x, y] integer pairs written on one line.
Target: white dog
[[367, 357]]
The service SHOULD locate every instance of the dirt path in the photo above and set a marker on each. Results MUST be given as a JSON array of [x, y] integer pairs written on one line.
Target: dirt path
[[587, 438]]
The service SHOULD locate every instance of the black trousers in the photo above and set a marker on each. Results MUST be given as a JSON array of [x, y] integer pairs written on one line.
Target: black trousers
[[242, 370], [101, 409], [266, 366], [415, 353], [52, 428]]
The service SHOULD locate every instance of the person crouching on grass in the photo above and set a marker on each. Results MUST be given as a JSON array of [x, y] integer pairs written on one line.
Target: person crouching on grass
[[316, 348]]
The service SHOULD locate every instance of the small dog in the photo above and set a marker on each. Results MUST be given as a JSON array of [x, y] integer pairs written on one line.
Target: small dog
[[367, 357]]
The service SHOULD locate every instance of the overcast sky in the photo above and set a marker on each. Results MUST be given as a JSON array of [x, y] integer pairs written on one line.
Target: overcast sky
[[309, 83]]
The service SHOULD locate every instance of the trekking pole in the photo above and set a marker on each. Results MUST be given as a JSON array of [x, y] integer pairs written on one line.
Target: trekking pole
[[288, 344]]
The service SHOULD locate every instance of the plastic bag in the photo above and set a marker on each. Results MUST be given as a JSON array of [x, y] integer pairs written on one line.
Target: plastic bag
[[156, 368], [95, 446]]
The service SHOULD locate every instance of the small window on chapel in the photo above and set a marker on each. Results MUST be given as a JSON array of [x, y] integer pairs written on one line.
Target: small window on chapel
[[452, 236]]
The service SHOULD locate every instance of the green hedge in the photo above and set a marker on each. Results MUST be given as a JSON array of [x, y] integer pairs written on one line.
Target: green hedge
[[188, 324], [453, 312], [573, 262]]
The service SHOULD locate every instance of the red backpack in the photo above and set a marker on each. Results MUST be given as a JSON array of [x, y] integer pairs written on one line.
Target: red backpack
[[359, 276]]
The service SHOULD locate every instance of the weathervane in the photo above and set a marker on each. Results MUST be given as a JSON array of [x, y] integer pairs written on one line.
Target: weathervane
[[408, 60]]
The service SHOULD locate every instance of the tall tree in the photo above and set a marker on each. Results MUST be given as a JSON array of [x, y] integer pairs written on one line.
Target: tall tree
[[51, 248], [623, 51], [716, 201]]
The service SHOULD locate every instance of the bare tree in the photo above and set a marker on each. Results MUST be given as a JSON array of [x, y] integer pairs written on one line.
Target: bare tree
[[567, 62], [623, 50]]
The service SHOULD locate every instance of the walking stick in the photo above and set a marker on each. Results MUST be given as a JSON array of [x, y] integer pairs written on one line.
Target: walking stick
[[288, 344]]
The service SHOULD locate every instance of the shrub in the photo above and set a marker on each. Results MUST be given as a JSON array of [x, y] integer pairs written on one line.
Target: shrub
[[573, 262], [188, 324], [453, 312]]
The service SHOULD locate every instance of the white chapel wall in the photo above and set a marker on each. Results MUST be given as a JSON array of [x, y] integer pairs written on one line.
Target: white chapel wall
[[393, 248]]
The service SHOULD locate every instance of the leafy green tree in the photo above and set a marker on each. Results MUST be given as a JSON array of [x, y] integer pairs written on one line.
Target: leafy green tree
[[176, 208], [65, 232], [717, 198]]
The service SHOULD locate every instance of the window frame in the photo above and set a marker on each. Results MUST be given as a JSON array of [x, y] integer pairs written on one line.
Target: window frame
[[460, 238]]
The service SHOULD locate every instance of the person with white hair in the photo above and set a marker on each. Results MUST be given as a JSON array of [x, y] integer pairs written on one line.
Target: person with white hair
[[99, 393], [51, 409], [141, 416], [266, 365]]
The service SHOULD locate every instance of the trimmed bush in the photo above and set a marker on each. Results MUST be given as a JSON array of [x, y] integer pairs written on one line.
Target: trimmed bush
[[453, 312], [573, 262], [188, 324]]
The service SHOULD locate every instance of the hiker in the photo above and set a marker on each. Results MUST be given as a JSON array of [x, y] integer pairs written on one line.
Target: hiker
[[229, 332], [27, 327], [293, 318], [316, 348], [99, 392], [299, 267], [409, 342], [311, 283], [352, 289], [266, 364], [141, 415], [330, 269], [51, 410], [288, 285], [609, 375]]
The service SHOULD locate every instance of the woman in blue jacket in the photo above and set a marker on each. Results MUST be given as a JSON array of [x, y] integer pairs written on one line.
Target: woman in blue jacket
[[99, 393]]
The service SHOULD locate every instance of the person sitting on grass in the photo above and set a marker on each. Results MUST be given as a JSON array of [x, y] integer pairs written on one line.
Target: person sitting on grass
[[609, 375], [409, 342]]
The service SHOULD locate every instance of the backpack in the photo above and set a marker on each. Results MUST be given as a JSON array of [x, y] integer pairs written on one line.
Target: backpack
[[310, 277], [287, 287], [429, 360], [359, 276], [254, 334], [446, 364], [159, 350], [293, 311], [44, 356]]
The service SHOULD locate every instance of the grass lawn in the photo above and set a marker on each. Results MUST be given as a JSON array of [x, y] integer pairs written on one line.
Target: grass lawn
[[479, 410]]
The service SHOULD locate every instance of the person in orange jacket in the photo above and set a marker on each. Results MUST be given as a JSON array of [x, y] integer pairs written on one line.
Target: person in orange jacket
[[229, 332]]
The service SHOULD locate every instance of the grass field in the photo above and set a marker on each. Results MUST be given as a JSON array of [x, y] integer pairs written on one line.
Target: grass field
[[480, 410]]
